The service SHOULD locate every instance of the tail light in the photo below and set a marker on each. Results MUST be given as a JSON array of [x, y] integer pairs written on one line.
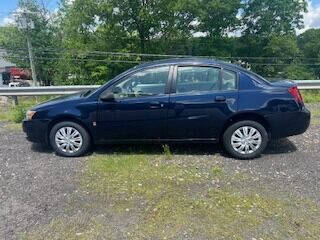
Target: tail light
[[295, 93]]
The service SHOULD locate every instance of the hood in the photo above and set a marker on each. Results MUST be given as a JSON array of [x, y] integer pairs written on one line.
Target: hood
[[60, 100]]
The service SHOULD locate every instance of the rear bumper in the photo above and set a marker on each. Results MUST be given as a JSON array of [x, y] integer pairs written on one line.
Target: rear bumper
[[289, 124], [36, 130]]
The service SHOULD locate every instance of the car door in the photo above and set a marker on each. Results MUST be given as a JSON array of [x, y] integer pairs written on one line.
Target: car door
[[202, 99], [139, 109]]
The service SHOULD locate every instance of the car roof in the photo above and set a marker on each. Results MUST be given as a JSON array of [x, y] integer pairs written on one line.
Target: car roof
[[192, 61]]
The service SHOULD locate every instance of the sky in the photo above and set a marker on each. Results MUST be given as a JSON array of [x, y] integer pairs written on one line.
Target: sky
[[311, 19]]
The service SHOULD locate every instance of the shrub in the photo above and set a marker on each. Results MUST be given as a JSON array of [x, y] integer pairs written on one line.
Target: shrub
[[19, 113]]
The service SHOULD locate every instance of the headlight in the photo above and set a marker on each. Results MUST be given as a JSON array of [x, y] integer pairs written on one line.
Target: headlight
[[30, 114]]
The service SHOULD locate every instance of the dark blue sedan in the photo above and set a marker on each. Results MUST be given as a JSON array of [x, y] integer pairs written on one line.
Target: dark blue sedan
[[178, 100]]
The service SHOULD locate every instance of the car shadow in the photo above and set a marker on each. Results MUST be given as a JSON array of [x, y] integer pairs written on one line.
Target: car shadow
[[280, 146], [274, 147], [178, 149], [40, 148]]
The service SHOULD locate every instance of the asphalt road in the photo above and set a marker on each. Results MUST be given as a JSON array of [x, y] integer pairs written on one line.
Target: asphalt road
[[35, 183]]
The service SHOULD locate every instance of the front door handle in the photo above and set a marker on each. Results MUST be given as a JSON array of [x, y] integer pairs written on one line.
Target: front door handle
[[220, 99], [156, 105]]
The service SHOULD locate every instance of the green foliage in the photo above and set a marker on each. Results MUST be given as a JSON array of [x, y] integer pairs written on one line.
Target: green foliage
[[296, 72], [74, 45], [267, 17], [310, 46], [16, 114], [216, 17], [19, 113], [311, 96], [42, 36]]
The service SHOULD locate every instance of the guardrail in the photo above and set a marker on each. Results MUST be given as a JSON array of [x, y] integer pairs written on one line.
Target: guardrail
[[63, 90], [44, 91], [308, 84]]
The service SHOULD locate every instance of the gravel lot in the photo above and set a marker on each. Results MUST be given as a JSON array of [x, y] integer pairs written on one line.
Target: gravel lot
[[35, 184]]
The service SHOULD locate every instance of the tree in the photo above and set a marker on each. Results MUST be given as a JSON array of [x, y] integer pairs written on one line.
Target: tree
[[217, 17], [267, 17], [277, 53], [298, 72], [150, 19], [42, 37], [310, 47]]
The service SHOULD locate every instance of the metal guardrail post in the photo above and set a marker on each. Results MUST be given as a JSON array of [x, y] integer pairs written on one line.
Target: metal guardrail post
[[15, 100]]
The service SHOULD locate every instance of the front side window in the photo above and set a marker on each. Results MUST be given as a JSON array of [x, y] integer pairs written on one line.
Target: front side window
[[145, 83], [197, 79]]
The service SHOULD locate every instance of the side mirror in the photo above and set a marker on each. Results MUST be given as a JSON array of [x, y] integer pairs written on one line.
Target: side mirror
[[107, 97]]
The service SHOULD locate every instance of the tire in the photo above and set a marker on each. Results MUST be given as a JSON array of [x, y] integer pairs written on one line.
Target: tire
[[62, 146], [233, 142]]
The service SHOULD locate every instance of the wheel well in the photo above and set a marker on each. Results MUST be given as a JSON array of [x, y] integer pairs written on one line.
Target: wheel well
[[66, 119], [247, 116]]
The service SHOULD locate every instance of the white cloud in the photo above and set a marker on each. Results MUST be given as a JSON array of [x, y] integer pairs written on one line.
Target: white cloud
[[69, 2], [7, 21], [311, 18]]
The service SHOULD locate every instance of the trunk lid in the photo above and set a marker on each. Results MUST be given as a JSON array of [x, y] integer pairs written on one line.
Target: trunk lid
[[292, 89], [284, 84]]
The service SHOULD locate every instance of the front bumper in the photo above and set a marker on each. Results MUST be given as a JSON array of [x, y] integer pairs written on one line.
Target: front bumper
[[289, 124], [36, 130]]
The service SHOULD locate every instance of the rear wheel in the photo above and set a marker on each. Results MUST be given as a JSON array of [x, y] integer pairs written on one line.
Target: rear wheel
[[69, 139], [245, 139]]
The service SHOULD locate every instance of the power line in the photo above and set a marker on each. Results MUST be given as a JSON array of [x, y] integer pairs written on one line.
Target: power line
[[140, 61], [102, 53], [79, 59]]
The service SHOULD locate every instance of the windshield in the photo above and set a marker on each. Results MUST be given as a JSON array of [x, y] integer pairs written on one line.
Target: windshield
[[86, 93]]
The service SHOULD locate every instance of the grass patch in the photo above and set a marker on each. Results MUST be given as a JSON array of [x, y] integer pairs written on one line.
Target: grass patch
[[74, 228], [315, 116], [178, 205], [6, 114], [311, 96], [163, 200], [130, 176], [14, 126], [222, 214], [16, 114], [216, 171]]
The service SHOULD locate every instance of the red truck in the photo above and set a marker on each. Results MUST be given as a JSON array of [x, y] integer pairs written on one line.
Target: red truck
[[20, 73]]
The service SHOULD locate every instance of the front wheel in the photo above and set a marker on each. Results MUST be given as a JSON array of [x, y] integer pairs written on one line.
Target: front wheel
[[69, 139], [245, 139]]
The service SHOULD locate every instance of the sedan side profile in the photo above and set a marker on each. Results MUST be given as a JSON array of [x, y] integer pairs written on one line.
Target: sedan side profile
[[176, 100]]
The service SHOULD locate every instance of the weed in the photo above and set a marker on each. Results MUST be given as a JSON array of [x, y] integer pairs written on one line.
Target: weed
[[167, 152], [216, 171]]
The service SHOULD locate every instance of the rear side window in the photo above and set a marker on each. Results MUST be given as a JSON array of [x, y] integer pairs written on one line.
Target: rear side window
[[229, 80], [197, 79], [258, 79]]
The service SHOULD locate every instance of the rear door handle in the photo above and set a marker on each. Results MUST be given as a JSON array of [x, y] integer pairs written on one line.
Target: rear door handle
[[156, 105], [220, 99]]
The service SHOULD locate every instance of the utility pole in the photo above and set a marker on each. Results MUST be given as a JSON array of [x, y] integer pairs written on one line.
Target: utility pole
[[27, 24], [1, 80], [33, 68]]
